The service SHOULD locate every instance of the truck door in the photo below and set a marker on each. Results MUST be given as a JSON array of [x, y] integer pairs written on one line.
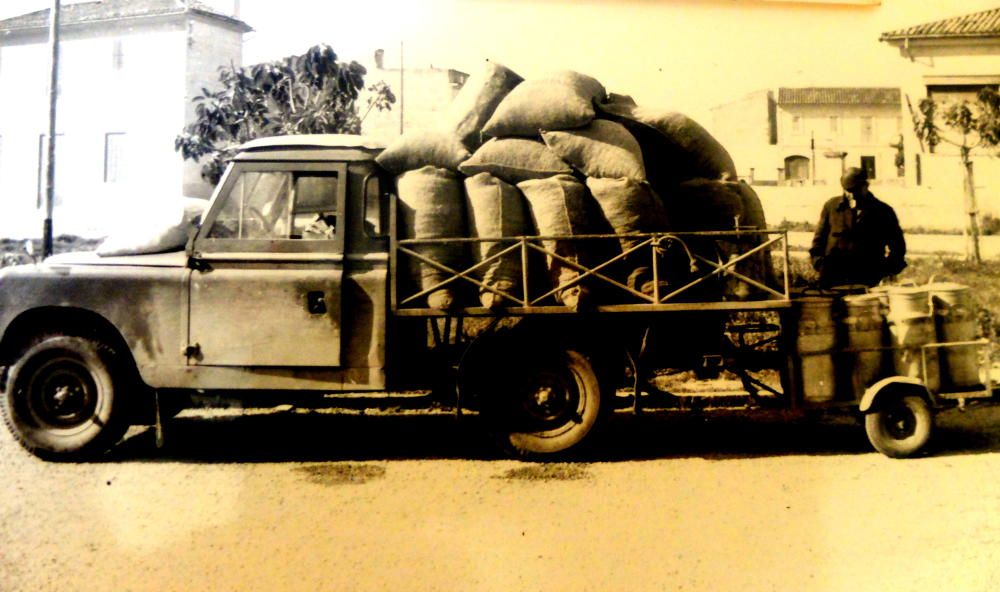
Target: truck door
[[267, 267]]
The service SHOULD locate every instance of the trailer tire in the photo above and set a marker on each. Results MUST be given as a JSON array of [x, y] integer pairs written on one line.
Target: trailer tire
[[900, 426], [545, 404], [63, 399]]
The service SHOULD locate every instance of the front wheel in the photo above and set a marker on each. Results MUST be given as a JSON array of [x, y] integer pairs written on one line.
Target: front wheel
[[548, 404], [900, 427], [62, 400]]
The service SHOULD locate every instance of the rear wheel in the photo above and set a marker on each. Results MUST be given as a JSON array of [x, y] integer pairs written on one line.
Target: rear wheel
[[62, 400], [548, 405], [900, 427]]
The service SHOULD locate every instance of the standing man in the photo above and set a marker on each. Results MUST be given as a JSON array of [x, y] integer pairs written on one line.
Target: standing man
[[858, 240]]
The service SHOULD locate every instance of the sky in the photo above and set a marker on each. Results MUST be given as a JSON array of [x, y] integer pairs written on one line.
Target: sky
[[687, 55]]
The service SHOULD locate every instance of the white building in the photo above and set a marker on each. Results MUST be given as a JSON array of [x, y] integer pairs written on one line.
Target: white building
[[422, 95], [806, 136], [128, 72], [950, 60]]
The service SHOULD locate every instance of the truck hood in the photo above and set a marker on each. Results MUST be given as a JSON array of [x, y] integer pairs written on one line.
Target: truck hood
[[174, 259]]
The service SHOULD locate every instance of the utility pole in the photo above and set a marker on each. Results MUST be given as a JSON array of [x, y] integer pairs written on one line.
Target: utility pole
[[812, 147], [50, 165], [402, 101]]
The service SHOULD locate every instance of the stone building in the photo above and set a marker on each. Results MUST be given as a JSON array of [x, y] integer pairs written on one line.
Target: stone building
[[128, 71], [806, 136]]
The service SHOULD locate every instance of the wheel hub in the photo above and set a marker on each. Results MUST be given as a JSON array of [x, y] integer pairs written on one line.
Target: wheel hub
[[900, 423], [62, 394], [547, 398]]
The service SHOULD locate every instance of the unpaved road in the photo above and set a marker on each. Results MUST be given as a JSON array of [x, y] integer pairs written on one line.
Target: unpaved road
[[294, 501]]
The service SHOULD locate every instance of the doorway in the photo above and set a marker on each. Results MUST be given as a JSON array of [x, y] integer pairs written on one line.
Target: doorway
[[868, 164], [796, 168]]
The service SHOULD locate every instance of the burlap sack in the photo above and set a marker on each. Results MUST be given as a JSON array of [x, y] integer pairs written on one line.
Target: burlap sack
[[417, 149], [432, 205], [675, 148], [631, 208], [496, 210], [753, 210], [541, 105], [477, 101], [588, 85], [515, 160], [560, 206], [165, 227], [602, 149], [708, 156], [707, 204], [760, 265]]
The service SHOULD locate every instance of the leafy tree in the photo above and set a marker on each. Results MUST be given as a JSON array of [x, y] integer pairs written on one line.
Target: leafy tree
[[312, 93], [969, 126]]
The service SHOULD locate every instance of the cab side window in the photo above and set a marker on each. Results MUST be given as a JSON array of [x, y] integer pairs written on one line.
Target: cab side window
[[315, 212], [276, 205], [255, 206]]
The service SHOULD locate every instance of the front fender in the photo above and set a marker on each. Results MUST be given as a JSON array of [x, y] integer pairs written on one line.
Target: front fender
[[895, 385]]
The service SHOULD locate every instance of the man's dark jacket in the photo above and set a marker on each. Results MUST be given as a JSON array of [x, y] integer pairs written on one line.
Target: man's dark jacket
[[857, 246]]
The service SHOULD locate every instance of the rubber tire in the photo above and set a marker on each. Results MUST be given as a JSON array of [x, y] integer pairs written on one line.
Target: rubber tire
[[79, 440], [560, 436], [880, 434]]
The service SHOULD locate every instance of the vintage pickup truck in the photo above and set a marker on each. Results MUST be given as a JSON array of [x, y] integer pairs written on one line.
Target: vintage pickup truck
[[289, 291]]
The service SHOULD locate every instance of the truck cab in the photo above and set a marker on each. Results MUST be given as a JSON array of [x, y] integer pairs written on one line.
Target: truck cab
[[282, 287]]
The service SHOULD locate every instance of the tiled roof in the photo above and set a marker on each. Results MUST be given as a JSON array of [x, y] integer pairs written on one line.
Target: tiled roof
[[839, 96], [113, 10], [977, 24]]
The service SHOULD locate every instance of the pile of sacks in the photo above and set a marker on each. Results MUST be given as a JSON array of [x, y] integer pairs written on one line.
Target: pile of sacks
[[559, 157]]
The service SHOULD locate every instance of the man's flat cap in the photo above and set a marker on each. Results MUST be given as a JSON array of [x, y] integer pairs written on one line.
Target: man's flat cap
[[854, 178]]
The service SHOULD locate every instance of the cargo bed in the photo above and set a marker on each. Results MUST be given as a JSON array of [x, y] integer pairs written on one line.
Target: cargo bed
[[673, 289]]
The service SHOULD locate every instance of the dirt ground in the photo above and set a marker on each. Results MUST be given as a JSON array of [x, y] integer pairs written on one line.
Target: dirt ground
[[307, 501]]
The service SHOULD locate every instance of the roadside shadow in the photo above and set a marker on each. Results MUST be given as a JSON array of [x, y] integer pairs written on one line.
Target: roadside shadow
[[734, 436], [295, 436], [307, 437]]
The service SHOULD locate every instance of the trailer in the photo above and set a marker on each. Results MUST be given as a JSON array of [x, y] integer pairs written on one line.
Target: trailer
[[263, 308]]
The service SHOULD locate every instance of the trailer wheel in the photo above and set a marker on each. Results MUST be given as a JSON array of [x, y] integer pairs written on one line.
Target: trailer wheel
[[900, 426], [62, 400], [546, 405]]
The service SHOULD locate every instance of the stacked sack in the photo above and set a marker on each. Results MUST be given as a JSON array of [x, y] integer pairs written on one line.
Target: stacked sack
[[558, 157], [559, 203], [432, 195]]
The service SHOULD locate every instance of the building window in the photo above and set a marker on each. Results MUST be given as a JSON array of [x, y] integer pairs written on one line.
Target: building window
[[114, 157], [867, 129], [796, 124], [117, 56], [834, 124]]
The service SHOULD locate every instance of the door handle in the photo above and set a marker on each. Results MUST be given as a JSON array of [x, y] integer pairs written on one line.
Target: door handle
[[316, 302]]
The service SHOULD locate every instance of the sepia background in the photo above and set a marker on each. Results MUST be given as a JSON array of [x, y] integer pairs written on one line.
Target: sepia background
[[295, 502]]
